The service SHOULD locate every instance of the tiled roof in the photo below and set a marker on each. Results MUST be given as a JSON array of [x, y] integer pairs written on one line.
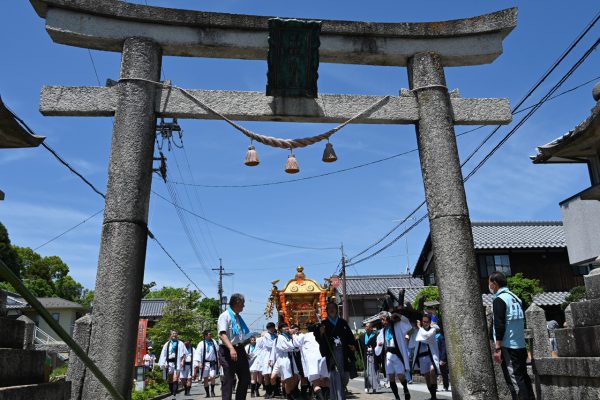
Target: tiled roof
[[542, 299], [520, 234], [48, 302], [378, 284], [152, 308]]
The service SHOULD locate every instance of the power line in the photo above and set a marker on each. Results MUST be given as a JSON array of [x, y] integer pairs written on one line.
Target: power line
[[533, 108], [69, 230], [240, 232], [175, 262], [367, 164]]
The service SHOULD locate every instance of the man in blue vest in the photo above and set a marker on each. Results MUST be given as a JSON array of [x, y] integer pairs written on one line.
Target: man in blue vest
[[509, 337]]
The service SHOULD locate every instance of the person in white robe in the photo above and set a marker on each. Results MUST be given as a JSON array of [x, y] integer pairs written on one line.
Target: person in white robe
[[314, 364], [253, 349], [285, 365], [427, 354], [207, 362], [265, 359], [171, 361], [186, 372], [391, 341]]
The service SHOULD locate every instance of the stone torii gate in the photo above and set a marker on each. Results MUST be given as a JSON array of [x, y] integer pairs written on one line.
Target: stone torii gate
[[144, 34]]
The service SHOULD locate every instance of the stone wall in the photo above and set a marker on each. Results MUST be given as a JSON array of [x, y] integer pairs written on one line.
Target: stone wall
[[575, 373]]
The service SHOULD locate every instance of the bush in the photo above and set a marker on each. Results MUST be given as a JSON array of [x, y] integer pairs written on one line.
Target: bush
[[431, 293], [524, 288], [575, 294], [155, 387]]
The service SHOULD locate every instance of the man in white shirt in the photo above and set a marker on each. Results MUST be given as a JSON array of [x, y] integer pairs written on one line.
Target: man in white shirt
[[172, 359], [207, 362], [233, 334]]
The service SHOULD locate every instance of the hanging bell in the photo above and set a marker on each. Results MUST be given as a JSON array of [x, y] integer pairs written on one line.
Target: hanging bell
[[291, 166], [329, 153], [252, 159]]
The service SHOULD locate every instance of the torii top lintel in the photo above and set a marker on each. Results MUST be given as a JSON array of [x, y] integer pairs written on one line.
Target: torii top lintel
[[104, 25]]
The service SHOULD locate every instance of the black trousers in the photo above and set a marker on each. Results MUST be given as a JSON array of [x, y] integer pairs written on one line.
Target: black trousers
[[514, 368], [445, 373], [231, 369]]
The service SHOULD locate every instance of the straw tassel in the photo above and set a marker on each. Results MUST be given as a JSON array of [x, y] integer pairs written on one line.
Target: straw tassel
[[291, 166], [252, 157]]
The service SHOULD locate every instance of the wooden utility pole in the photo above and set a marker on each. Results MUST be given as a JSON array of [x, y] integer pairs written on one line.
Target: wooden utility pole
[[221, 274], [344, 287]]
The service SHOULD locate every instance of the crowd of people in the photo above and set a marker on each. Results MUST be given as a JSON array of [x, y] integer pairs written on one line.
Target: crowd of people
[[319, 363]]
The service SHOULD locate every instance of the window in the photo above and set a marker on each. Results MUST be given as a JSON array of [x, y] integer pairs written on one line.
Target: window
[[56, 316], [490, 263], [582, 269]]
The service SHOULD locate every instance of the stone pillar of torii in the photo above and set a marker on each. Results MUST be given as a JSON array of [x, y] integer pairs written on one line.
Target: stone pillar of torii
[[144, 34]]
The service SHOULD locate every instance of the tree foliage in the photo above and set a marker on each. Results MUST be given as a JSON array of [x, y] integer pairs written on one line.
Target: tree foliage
[[44, 276], [431, 293], [575, 294], [185, 313], [7, 254], [524, 288]]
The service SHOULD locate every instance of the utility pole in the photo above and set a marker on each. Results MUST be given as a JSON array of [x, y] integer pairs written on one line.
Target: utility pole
[[221, 274], [344, 287]]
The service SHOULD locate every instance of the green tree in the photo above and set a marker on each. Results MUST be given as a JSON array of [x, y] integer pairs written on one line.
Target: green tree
[[191, 297], [178, 315], [575, 294], [431, 293], [7, 254], [210, 307], [524, 288], [147, 287], [87, 298]]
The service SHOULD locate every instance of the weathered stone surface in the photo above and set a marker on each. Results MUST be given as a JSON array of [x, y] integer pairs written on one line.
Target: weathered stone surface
[[472, 373], [41, 391], [583, 367], [586, 313], [124, 233], [77, 370], [559, 387], [104, 26], [255, 106], [569, 317], [11, 333], [21, 367], [578, 342], [592, 285], [536, 321], [28, 333]]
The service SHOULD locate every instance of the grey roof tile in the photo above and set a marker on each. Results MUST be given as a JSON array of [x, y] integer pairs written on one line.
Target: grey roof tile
[[542, 299], [378, 284], [48, 302], [518, 234], [152, 308]]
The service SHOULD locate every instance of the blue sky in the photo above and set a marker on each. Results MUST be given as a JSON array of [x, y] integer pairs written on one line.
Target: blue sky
[[43, 199]]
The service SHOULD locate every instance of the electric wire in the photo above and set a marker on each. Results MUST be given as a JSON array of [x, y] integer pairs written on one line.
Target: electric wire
[[68, 230], [187, 232], [491, 134], [374, 162], [195, 222], [532, 111], [240, 232]]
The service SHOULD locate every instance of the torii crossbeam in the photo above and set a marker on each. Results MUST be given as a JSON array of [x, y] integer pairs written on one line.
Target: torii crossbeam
[[144, 34]]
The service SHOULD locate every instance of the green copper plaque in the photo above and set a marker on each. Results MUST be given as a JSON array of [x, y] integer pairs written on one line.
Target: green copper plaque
[[293, 58]]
